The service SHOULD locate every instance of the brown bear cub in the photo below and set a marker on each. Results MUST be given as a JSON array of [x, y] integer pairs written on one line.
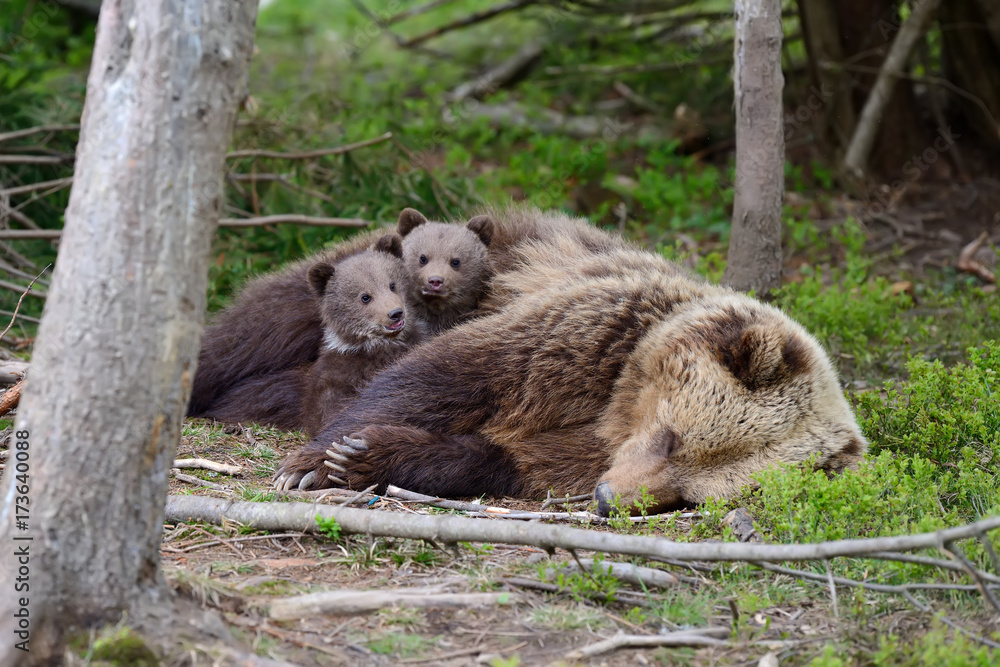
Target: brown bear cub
[[602, 369], [250, 356], [447, 266], [367, 326]]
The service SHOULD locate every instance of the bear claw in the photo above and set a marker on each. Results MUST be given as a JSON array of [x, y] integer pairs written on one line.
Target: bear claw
[[336, 480], [338, 468], [307, 480], [356, 443]]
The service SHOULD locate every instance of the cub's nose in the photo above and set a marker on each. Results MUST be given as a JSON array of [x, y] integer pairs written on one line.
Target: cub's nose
[[435, 282], [605, 498], [396, 315]]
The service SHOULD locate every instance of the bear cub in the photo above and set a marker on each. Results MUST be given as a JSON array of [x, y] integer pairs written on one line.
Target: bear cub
[[447, 266], [367, 325]]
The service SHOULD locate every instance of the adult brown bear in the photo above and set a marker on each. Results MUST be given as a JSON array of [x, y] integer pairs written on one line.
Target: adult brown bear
[[598, 368]]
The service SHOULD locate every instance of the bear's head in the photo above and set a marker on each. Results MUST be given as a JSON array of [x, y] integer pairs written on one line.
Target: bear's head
[[363, 297], [719, 391], [446, 264]]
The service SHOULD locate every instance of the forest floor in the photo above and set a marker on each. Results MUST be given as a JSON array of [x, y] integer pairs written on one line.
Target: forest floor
[[764, 618]]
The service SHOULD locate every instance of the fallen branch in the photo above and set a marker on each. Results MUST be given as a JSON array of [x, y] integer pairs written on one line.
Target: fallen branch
[[292, 218], [197, 481], [35, 159], [11, 372], [633, 574], [282, 218], [493, 79], [308, 155], [205, 464], [41, 185], [704, 637], [10, 398], [454, 529], [362, 602], [27, 132], [471, 19], [487, 510], [861, 143], [18, 307], [968, 263]]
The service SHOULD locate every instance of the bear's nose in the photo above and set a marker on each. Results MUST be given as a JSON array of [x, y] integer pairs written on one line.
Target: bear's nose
[[605, 498], [395, 315], [435, 282]]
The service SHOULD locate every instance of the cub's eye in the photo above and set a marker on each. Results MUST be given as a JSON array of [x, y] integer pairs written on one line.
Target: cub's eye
[[392, 287], [456, 263], [365, 298], [423, 259]]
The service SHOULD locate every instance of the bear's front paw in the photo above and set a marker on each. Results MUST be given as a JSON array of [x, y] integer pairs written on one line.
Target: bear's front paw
[[342, 453], [301, 471]]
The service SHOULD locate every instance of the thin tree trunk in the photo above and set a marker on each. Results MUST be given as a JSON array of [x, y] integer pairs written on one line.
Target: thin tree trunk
[[754, 260], [111, 372], [861, 144], [832, 100]]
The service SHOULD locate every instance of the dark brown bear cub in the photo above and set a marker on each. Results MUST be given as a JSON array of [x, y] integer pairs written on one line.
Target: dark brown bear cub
[[367, 326]]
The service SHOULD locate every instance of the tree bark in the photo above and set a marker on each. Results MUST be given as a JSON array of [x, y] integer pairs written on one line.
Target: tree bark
[[754, 260], [111, 372]]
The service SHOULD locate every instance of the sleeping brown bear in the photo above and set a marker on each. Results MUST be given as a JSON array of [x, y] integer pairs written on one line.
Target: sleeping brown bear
[[598, 368], [248, 367]]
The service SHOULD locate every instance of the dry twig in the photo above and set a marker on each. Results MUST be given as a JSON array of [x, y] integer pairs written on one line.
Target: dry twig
[[18, 307], [700, 637], [205, 464], [968, 263], [309, 155], [362, 602]]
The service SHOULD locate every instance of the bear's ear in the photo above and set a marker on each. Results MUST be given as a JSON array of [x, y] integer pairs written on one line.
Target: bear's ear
[[759, 355], [392, 244], [319, 275], [409, 219], [482, 226]]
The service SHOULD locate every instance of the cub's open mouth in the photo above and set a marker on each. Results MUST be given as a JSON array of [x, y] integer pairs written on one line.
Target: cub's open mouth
[[432, 296], [395, 327]]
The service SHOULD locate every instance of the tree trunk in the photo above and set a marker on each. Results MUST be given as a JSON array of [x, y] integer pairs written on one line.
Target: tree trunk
[[111, 371], [867, 30], [754, 260], [881, 93], [832, 94], [970, 49]]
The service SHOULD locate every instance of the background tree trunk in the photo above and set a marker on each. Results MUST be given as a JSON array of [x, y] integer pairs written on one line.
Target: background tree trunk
[[970, 49], [754, 260], [112, 367]]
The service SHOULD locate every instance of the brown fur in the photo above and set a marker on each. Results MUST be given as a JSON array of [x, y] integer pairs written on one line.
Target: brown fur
[[274, 326], [361, 337], [601, 369]]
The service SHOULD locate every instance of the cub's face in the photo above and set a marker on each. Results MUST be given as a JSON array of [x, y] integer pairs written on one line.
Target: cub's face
[[718, 393], [363, 297], [446, 264]]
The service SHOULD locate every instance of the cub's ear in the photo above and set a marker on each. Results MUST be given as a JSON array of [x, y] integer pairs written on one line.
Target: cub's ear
[[759, 355], [482, 226], [409, 219], [390, 243], [319, 275]]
